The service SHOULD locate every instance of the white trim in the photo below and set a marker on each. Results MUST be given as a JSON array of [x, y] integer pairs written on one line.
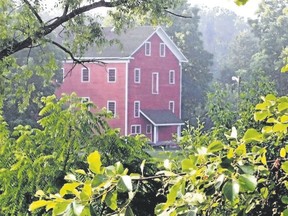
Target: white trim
[[162, 45], [137, 102], [139, 73], [63, 74], [173, 106], [88, 70], [108, 75], [180, 98], [126, 100], [115, 107], [100, 60], [173, 76], [136, 125], [147, 43], [157, 83]]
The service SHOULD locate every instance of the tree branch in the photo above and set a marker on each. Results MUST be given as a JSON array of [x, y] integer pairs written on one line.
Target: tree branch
[[178, 15], [47, 29], [33, 11]]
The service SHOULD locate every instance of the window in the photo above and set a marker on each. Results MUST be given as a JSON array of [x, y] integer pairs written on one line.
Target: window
[[85, 75], [155, 83], [162, 50], [148, 129], [137, 75], [111, 107], [147, 48], [135, 129], [136, 109], [171, 77], [111, 75], [171, 106]]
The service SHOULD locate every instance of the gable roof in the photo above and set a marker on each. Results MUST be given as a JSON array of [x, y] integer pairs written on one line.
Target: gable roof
[[130, 41], [161, 117]]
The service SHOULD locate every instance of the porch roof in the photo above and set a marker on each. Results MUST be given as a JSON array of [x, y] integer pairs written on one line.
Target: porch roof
[[161, 117]]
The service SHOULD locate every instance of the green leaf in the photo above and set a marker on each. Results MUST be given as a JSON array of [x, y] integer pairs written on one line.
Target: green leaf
[[173, 192], [241, 2], [284, 199], [231, 190], [247, 169], [284, 119], [261, 115], [129, 211], [69, 188], [241, 150], [86, 192], [285, 213], [187, 165], [216, 146], [283, 153], [284, 166], [94, 161], [60, 208], [252, 135], [124, 184], [282, 106], [38, 204], [247, 182], [111, 200]]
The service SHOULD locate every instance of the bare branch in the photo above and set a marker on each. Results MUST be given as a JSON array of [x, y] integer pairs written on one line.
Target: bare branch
[[33, 11], [178, 15]]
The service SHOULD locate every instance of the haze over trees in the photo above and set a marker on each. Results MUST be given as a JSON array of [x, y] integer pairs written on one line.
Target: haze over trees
[[65, 160]]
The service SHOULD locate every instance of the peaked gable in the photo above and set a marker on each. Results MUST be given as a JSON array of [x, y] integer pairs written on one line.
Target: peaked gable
[[130, 42]]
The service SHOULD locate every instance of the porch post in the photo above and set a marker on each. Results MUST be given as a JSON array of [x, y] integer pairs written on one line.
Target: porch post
[[155, 134], [178, 133]]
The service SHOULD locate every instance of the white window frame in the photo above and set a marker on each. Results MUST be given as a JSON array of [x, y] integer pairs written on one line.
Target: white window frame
[[162, 50], [148, 128], [108, 75], [82, 71], [172, 77], [172, 106], [137, 70], [136, 112], [157, 83], [115, 106], [147, 48], [136, 126]]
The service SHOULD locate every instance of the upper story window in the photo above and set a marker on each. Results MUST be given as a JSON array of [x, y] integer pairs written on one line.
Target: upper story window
[[135, 129], [155, 83], [136, 109], [137, 75], [111, 75], [147, 48], [111, 107], [171, 77], [162, 50], [171, 106], [85, 75]]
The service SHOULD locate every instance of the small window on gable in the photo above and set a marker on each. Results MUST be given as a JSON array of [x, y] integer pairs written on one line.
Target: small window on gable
[[135, 129], [111, 107], [171, 106], [147, 48], [111, 75], [137, 75], [162, 50], [171, 77], [148, 129], [85, 75], [136, 109]]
